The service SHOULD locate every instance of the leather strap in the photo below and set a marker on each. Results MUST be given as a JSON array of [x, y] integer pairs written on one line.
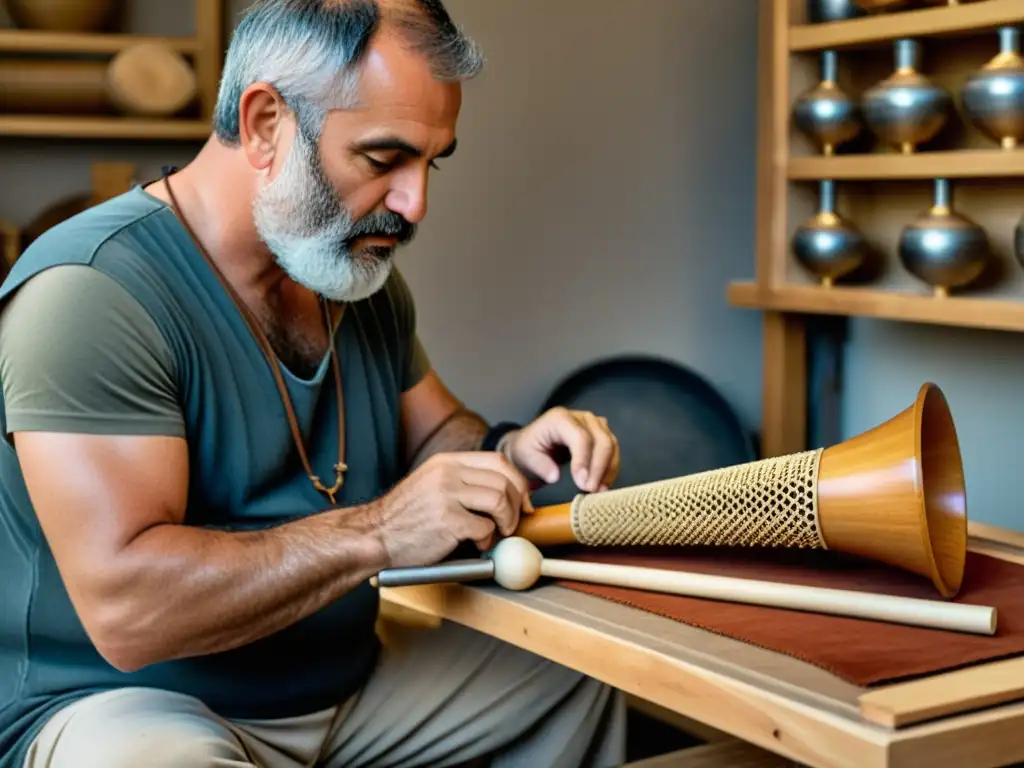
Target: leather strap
[[272, 361]]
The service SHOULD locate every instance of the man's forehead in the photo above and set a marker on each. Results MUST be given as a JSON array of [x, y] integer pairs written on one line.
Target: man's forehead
[[398, 82]]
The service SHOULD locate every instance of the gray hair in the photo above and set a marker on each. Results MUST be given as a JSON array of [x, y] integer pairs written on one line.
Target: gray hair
[[310, 51]]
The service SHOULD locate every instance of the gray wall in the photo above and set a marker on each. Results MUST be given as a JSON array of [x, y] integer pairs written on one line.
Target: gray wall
[[601, 199]]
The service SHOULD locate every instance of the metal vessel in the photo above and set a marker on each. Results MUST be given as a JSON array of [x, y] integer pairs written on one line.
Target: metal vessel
[[825, 113], [906, 109], [993, 97], [943, 248], [824, 11], [827, 246]]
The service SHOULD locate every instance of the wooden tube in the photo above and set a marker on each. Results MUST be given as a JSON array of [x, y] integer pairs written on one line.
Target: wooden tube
[[548, 526]]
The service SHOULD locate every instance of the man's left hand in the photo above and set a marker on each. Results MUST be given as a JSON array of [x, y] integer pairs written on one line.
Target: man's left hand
[[593, 448]]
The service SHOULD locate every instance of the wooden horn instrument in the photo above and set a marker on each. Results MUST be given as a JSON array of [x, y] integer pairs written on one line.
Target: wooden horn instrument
[[894, 494]]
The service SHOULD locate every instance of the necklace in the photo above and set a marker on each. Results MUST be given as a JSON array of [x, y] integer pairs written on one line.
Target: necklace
[[268, 353]]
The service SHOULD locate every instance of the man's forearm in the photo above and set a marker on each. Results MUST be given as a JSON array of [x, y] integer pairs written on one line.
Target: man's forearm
[[464, 430], [186, 591]]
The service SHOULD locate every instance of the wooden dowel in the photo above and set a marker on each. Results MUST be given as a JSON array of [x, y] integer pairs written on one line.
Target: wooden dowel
[[938, 614]]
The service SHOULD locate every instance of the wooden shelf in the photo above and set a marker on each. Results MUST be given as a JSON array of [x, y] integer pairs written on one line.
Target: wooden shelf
[[32, 41], [103, 128], [205, 48], [969, 163], [967, 17], [1001, 315]]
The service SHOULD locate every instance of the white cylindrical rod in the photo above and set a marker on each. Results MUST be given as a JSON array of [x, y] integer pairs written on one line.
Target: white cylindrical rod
[[958, 617]]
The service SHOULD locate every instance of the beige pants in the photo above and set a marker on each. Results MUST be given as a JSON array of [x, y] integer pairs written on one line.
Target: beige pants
[[440, 697]]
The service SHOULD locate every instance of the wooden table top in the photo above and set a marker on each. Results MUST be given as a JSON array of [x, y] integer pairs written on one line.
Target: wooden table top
[[967, 717]]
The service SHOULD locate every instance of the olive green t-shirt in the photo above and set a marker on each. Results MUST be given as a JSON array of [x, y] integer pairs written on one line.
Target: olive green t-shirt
[[113, 323]]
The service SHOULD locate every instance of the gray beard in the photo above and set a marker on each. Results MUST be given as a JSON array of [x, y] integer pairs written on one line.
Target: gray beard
[[307, 227]]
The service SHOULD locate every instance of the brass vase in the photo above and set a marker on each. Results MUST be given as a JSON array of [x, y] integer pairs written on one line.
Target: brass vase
[[826, 245], [824, 11], [906, 109], [943, 248], [993, 97], [825, 114]]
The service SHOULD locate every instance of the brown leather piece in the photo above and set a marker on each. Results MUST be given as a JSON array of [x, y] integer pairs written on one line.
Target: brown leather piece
[[860, 651]]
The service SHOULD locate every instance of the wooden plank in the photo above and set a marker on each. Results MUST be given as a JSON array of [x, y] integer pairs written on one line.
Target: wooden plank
[[963, 164], [987, 739], [210, 31], [784, 398], [787, 726], [773, 112], [102, 128], [774, 701], [880, 29], [784, 394], [779, 719], [992, 314], [730, 754], [962, 690], [996, 534], [40, 41]]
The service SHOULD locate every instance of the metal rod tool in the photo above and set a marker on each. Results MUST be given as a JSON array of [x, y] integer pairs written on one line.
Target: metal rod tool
[[454, 571]]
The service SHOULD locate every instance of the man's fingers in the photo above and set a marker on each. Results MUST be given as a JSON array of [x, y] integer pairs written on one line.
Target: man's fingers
[[489, 461], [614, 465], [580, 442], [603, 451], [491, 493], [478, 529]]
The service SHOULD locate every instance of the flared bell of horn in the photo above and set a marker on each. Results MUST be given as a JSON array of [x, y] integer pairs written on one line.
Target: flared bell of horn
[[894, 494]]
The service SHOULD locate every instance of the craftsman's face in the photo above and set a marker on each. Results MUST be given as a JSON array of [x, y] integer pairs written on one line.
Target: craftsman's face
[[334, 214]]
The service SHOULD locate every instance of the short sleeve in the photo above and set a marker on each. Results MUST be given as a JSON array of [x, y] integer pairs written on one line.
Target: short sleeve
[[415, 363], [79, 354]]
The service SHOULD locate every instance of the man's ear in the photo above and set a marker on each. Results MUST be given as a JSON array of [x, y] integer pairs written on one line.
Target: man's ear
[[262, 114]]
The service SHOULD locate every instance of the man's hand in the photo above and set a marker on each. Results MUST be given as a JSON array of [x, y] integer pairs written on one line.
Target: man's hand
[[592, 447], [450, 498]]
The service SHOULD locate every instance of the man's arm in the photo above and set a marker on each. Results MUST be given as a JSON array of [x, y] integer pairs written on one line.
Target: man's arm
[[435, 421], [149, 589], [91, 405]]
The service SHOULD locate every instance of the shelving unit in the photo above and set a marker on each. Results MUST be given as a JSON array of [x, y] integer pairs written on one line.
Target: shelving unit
[[204, 49], [877, 188], [962, 164], [931, 18], [37, 41], [60, 127]]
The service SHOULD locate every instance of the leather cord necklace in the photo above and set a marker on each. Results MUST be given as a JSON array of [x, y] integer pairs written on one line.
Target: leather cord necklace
[[272, 360]]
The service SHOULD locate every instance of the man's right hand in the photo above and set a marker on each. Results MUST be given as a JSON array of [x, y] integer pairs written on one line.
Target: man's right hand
[[451, 498]]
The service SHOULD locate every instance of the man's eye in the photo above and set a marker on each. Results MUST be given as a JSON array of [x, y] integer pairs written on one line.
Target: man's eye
[[380, 166], [377, 165]]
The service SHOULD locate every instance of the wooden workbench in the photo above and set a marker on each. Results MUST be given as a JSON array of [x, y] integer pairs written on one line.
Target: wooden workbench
[[767, 703]]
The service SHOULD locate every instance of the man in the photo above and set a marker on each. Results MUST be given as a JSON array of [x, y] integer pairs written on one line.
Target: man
[[221, 423]]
